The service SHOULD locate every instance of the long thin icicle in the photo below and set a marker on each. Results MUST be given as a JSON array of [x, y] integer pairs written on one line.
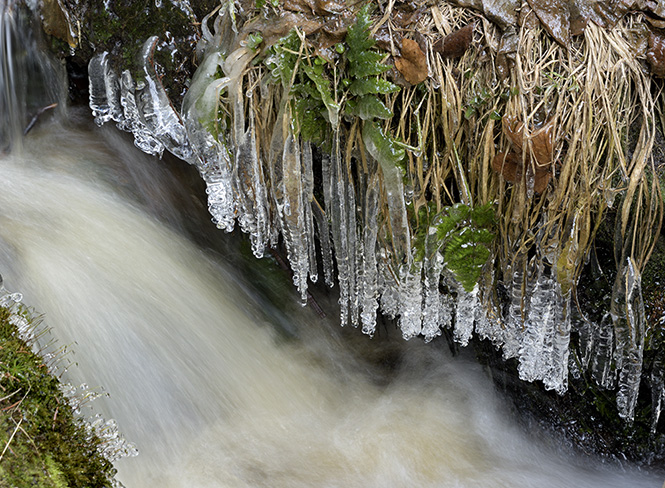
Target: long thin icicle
[[629, 321], [368, 286]]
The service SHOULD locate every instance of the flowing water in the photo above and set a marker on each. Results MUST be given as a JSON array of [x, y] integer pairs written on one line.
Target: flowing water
[[220, 378]]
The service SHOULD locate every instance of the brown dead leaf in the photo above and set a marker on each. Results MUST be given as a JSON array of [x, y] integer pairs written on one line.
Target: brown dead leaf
[[314, 7], [274, 29], [455, 44], [509, 165], [542, 145], [334, 31], [513, 129], [538, 160], [656, 55], [412, 64], [555, 17], [384, 38], [540, 140], [405, 19]]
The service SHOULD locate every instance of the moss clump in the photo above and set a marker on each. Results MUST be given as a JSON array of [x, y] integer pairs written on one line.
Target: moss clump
[[120, 27], [44, 445]]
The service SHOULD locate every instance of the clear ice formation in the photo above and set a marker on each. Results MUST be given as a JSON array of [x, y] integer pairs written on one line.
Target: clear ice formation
[[272, 195]]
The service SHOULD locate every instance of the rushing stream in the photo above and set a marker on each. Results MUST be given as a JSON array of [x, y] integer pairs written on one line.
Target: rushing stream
[[224, 381]]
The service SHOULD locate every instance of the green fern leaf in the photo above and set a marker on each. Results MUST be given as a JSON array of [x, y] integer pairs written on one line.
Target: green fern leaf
[[322, 85], [370, 107], [367, 63], [377, 86], [357, 36]]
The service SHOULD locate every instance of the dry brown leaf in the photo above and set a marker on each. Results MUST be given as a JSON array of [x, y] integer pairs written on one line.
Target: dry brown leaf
[[412, 64], [555, 17], [513, 129], [274, 29], [656, 55], [542, 144], [455, 44], [539, 167], [509, 165], [314, 7]]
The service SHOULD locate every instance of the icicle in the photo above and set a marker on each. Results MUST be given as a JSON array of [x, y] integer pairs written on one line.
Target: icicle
[[538, 330], [212, 157], [488, 326], [629, 321], [657, 390], [557, 374], [287, 192], [308, 197], [368, 286], [380, 148], [101, 82], [410, 299], [340, 207], [323, 230], [544, 351], [467, 304], [354, 249], [156, 110], [132, 121], [433, 312], [583, 327], [602, 353], [512, 334], [248, 182], [388, 286]]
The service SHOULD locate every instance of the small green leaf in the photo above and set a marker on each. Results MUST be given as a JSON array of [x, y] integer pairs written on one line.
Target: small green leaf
[[364, 87], [254, 40], [369, 107], [282, 62], [323, 87]]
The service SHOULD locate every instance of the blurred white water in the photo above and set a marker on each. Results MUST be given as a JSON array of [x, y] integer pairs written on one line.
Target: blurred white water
[[211, 395]]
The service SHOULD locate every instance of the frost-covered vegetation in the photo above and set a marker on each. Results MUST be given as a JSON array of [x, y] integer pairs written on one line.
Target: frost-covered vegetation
[[43, 443]]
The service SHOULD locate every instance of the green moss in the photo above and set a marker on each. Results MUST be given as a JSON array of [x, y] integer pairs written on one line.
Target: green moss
[[45, 445]]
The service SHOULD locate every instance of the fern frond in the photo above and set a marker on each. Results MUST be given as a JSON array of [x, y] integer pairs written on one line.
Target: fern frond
[[369, 107], [372, 86]]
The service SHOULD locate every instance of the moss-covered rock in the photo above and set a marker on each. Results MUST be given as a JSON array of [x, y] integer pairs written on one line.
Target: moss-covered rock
[[43, 444]]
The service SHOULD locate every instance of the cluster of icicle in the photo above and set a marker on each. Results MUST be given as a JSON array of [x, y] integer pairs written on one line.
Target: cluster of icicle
[[113, 445], [270, 194]]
